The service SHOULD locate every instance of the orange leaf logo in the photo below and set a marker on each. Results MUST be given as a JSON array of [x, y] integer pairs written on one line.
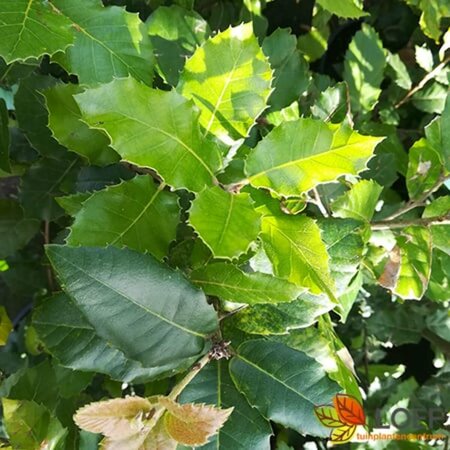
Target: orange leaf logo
[[349, 410]]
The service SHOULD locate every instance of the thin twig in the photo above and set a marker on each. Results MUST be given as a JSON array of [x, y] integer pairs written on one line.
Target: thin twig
[[318, 203], [423, 82], [389, 225], [232, 313], [416, 203]]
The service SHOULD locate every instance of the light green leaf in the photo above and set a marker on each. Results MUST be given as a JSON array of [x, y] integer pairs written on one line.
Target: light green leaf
[[424, 58], [228, 78], [298, 237], [67, 127], [135, 214], [268, 319], [408, 270], [440, 277], [59, 322], [31, 426], [155, 129], [343, 8], [148, 311], [99, 55], [297, 156], [16, 231], [431, 98], [31, 28], [175, 33], [231, 284], [227, 223], [284, 393], [4, 137], [445, 134], [331, 106], [291, 77], [245, 428], [45, 180], [398, 71], [440, 233], [359, 202], [363, 69], [287, 114], [73, 203], [5, 326]]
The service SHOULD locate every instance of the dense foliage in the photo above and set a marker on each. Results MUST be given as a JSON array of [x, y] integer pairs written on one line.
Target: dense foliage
[[217, 215]]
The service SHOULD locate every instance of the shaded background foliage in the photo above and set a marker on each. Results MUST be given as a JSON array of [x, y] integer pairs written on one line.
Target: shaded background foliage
[[400, 348]]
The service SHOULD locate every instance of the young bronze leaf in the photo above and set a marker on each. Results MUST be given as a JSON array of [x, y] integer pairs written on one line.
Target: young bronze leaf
[[343, 434], [192, 424], [115, 418], [328, 416], [349, 410]]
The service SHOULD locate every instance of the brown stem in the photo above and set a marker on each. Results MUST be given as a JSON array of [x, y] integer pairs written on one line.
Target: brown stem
[[389, 225], [423, 82]]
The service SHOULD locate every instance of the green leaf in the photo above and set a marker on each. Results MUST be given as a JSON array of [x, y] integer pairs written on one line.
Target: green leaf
[[227, 223], [298, 237], [175, 33], [408, 270], [58, 322], [359, 202], [398, 71], [155, 129], [431, 98], [16, 231], [67, 127], [343, 8], [445, 134], [98, 55], [299, 155], [440, 233], [73, 203], [148, 311], [231, 284], [5, 326], [32, 28], [291, 77], [284, 393], [45, 180], [31, 426], [279, 319], [4, 137], [135, 214], [364, 65], [245, 428], [440, 277], [331, 106], [32, 115], [228, 78]]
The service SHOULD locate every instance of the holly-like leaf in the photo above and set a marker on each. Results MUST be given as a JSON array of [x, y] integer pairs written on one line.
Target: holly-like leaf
[[343, 434], [364, 65], [228, 78], [349, 410], [359, 202], [440, 233], [31, 426], [32, 28], [344, 8], [58, 322], [297, 156], [16, 231], [135, 214], [153, 128], [148, 311], [73, 203], [4, 137], [245, 427], [408, 269], [331, 106], [284, 393], [175, 33], [291, 77], [192, 424], [431, 98], [97, 55], [67, 127], [299, 237], [328, 416], [229, 283], [227, 223], [119, 417]]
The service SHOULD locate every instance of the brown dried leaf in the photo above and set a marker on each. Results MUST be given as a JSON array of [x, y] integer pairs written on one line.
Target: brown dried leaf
[[192, 424], [388, 278], [117, 418]]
